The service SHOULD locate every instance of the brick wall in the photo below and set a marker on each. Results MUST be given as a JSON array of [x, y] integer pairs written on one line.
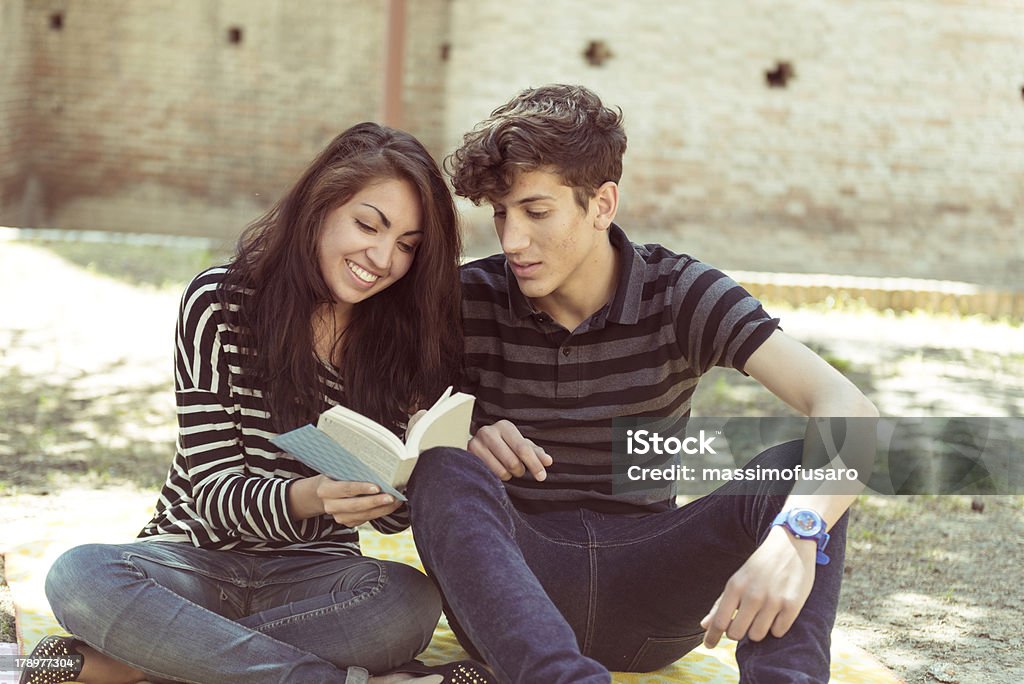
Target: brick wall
[[425, 72], [191, 116], [14, 110], [898, 148]]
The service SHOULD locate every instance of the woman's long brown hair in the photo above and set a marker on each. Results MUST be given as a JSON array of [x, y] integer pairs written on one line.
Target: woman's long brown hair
[[403, 346]]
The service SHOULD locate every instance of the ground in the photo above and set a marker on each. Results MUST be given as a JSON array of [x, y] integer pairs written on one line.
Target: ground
[[932, 583]]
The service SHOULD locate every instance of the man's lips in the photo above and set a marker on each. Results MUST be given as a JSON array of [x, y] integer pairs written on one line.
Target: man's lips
[[524, 268]]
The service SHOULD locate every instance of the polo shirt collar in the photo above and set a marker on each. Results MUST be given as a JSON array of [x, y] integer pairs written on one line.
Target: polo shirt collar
[[625, 304], [625, 308]]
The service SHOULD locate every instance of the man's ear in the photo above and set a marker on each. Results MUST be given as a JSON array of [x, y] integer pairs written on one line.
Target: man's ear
[[607, 198]]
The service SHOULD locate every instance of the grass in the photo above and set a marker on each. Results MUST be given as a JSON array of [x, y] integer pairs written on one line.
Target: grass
[[150, 265], [7, 627], [53, 429]]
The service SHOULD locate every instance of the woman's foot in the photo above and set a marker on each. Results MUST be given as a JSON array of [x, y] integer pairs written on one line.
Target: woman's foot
[[460, 672], [66, 659], [99, 667]]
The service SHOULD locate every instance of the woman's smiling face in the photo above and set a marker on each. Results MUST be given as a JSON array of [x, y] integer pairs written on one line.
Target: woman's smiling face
[[369, 243]]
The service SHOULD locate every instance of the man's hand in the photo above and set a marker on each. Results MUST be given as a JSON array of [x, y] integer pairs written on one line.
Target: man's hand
[[508, 454], [766, 593]]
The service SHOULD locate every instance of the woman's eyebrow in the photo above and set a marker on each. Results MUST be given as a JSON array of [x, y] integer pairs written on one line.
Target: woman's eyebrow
[[387, 222], [383, 216]]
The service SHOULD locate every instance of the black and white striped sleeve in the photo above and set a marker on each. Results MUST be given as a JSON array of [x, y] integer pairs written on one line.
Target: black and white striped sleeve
[[232, 502]]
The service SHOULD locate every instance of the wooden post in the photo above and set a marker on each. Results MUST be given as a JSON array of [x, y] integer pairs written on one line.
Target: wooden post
[[394, 56]]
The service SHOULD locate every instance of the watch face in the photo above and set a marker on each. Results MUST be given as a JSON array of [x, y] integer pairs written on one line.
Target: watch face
[[805, 523]]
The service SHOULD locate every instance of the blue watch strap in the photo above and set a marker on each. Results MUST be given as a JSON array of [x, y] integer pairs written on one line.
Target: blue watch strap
[[821, 538]]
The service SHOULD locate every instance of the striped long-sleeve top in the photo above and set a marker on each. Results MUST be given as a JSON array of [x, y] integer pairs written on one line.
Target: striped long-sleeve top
[[671, 319], [227, 487]]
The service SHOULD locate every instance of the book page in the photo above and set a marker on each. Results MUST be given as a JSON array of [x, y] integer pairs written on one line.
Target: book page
[[344, 416], [379, 454], [445, 424]]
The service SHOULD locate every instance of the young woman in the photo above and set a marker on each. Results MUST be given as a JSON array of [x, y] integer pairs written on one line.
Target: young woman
[[346, 292]]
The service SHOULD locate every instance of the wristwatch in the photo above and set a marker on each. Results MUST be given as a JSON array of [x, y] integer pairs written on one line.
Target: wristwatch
[[803, 523]]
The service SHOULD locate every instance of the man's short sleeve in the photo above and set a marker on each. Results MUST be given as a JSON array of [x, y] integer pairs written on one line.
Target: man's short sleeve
[[718, 323]]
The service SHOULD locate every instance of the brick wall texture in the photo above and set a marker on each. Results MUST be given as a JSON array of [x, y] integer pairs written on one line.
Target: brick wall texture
[[14, 105], [896, 149]]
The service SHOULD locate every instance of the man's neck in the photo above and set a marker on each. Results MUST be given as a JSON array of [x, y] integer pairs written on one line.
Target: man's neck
[[591, 287]]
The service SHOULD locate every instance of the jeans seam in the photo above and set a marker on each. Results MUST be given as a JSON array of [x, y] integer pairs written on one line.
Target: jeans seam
[[654, 535], [674, 524], [588, 637], [746, 669], [127, 556], [334, 607], [526, 521]]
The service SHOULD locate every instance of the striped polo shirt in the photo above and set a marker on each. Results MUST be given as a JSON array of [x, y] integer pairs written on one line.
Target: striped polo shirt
[[227, 487], [671, 319]]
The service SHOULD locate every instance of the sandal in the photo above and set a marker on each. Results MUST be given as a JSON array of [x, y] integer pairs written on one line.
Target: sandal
[[459, 672], [54, 660]]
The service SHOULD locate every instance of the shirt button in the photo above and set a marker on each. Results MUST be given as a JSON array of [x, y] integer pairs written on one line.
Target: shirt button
[[565, 352]]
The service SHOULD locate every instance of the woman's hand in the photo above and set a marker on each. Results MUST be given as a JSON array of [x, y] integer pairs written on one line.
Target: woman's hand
[[353, 503], [349, 503]]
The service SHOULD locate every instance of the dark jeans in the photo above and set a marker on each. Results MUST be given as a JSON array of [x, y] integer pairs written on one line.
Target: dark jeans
[[567, 596]]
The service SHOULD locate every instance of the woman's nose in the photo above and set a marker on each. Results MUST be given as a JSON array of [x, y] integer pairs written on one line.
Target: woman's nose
[[380, 255]]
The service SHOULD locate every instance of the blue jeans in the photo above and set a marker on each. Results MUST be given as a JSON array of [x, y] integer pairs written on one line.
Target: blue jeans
[[567, 596], [180, 613]]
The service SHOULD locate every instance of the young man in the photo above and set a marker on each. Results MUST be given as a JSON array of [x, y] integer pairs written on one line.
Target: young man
[[550, 572]]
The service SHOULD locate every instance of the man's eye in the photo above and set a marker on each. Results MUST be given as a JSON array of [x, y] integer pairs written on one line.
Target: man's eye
[[499, 214], [536, 214]]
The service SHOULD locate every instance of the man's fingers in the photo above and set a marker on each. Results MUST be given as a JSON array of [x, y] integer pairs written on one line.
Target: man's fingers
[[492, 445], [784, 620], [478, 447], [752, 608], [530, 457], [507, 453], [717, 621], [762, 623]]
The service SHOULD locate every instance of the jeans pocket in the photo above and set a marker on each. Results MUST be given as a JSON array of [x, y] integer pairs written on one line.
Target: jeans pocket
[[657, 652]]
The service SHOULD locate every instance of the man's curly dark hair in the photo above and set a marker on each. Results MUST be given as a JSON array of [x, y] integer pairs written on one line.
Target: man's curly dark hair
[[563, 127]]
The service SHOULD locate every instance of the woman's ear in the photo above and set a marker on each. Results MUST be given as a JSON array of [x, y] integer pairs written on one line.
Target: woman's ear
[[607, 198]]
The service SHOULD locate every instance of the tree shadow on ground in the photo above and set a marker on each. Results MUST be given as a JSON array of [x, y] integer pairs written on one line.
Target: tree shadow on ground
[[937, 578], [724, 392], [55, 429]]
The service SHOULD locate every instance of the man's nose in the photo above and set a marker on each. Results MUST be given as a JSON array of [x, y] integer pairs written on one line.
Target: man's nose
[[514, 237]]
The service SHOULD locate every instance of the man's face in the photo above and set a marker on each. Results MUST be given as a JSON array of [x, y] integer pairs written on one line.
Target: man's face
[[551, 243]]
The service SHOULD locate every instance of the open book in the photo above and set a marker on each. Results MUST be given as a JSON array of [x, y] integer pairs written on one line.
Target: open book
[[346, 445]]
